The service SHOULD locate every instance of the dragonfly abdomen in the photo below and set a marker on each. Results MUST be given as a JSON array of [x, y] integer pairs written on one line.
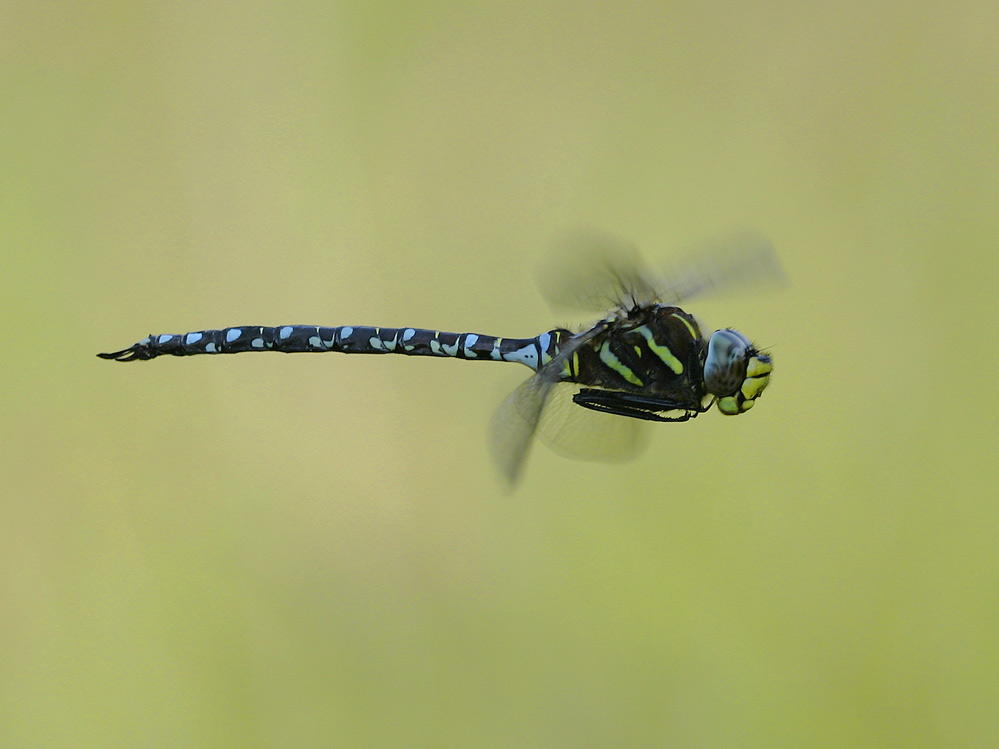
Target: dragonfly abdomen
[[347, 339]]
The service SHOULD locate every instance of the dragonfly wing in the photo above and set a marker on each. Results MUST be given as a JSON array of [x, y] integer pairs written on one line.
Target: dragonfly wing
[[591, 270], [729, 262], [514, 424], [543, 406], [585, 434]]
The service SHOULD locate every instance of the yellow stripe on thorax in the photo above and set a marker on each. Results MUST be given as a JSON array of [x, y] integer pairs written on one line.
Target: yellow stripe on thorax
[[693, 331], [663, 352], [609, 358]]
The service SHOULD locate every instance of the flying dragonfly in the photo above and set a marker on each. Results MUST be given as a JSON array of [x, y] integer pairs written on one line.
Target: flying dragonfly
[[645, 360]]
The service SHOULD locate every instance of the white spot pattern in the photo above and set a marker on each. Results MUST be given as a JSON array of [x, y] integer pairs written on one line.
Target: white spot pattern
[[528, 355]]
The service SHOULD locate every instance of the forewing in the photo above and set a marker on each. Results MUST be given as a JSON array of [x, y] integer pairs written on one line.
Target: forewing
[[729, 262], [591, 270]]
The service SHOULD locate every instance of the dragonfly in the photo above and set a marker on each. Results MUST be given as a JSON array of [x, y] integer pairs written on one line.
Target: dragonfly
[[645, 360]]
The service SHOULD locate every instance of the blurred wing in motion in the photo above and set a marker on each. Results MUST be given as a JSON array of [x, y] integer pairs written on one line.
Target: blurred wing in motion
[[542, 406], [587, 269], [591, 270], [545, 409]]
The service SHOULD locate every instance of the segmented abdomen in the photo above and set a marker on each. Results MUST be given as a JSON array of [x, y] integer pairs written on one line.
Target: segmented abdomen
[[348, 339]]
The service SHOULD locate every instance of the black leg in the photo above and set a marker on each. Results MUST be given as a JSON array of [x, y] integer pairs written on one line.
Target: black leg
[[636, 406]]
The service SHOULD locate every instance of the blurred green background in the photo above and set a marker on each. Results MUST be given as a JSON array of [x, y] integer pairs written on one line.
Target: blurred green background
[[314, 551]]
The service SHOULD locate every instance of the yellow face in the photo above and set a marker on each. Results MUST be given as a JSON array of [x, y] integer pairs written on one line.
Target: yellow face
[[758, 370], [735, 372]]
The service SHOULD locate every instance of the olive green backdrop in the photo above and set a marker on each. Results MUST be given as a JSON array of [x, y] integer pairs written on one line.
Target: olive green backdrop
[[314, 551]]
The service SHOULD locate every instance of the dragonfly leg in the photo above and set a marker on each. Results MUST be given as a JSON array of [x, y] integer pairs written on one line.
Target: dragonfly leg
[[636, 406]]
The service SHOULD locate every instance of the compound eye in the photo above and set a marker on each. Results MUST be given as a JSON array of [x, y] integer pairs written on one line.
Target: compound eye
[[725, 365]]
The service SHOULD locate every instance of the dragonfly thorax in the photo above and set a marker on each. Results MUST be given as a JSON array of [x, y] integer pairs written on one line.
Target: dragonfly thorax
[[735, 372]]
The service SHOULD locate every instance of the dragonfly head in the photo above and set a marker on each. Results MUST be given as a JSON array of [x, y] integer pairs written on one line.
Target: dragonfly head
[[735, 372]]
